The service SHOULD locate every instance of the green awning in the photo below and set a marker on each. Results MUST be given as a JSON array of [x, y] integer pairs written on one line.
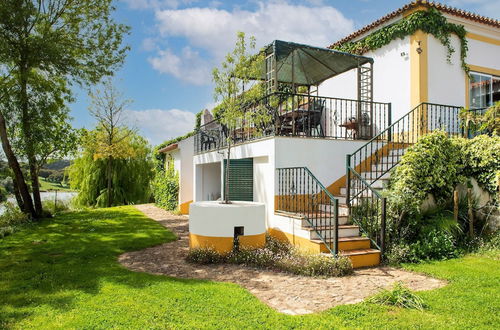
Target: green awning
[[308, 65]]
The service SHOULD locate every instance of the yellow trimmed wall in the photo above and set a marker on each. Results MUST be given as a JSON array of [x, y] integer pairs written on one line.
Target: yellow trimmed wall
[[184, 207], [225, 244], [479, 69], [418, 68]]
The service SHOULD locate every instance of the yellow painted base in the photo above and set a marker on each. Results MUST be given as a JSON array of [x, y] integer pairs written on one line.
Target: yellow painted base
[[354, 245], [300, 242], [184, 207], [225, 244], [365, 260], [358, 260]]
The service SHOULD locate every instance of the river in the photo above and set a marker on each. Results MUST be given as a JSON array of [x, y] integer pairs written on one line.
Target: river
[[64, 196]]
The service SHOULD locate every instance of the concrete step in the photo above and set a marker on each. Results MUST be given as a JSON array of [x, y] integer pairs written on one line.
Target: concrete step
[[363, 257], [397, 152], [324, 221], [367, 193], [382, 167], [350, 243], [327, 231], [343, 209], [374, 175]]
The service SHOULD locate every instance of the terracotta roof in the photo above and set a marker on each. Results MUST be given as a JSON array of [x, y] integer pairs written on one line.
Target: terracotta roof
[[443, 8], [168, 148]]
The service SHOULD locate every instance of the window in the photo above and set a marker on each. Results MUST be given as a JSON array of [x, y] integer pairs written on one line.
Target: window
[[484, 90]]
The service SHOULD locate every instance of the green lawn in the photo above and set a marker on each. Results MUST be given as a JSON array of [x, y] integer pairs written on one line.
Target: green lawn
[[64, 273], [46, 185]]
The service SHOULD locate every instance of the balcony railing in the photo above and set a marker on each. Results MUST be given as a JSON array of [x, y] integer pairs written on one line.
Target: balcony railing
[[298, 115]]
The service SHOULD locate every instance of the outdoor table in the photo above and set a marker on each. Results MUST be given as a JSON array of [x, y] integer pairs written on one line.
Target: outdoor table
[[350, 125]]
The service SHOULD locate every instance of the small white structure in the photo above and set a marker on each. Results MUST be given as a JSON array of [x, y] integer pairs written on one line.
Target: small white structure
[[216, 225], [181, 154]]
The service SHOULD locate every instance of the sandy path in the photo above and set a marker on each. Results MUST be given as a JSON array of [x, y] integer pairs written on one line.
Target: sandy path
[[286, 293]]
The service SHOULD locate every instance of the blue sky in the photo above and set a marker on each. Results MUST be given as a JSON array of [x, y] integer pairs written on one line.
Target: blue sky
[[176, 43]]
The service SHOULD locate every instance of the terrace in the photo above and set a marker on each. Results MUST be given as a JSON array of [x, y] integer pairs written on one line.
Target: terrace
[[291, 74]]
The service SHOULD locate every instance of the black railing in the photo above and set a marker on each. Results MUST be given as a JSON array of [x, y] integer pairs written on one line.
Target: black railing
[[367, 209], [368, 165], [298, 115], [379, 155], [301, 195], [473, 127]]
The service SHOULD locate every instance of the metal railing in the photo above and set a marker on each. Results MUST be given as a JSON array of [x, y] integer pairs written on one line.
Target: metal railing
[[298, 115], [367, 209], [379, 155], [366, 166], [473, 128], [301, 195]]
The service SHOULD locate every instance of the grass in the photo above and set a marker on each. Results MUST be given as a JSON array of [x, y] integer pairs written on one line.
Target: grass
[[46, 186], [63, 273]]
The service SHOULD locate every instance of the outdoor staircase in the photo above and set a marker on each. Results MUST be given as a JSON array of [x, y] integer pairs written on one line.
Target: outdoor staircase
[[317, 224], [351, 241]]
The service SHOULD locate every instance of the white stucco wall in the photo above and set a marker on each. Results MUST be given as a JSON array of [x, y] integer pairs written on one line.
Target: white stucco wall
[[214, 219], [208, 181], [391, 78], [447, 81], [182, 158], [324, 158], [186, 150], [262, 152]]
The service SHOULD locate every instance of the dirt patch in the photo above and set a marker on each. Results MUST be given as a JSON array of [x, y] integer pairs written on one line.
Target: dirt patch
[[286, 293]]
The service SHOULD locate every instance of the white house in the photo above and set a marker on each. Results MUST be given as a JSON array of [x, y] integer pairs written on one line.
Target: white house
[[327, 152], [181, 154]]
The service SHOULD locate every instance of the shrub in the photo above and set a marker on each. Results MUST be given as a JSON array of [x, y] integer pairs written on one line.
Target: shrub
[[60, 206], [479, 158], [205, 256], [11, 219], [165, 187], [399, 296], [434, 245], [430, 166], [277, 255]]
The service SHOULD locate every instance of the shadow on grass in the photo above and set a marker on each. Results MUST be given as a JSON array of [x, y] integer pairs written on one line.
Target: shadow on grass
[[52, 262]]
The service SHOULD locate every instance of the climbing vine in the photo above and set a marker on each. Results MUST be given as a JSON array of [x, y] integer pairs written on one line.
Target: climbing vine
[[430, 21]]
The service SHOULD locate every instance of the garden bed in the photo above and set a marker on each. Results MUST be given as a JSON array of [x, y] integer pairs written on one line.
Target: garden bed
[[286, 293]]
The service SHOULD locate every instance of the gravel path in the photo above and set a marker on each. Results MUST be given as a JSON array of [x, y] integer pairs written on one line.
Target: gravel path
[[286, 293]]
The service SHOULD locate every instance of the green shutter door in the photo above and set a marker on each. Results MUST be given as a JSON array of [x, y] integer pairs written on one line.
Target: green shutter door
[[240, 179]]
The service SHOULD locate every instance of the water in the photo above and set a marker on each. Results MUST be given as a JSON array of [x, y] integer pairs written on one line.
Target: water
[[62, 196]]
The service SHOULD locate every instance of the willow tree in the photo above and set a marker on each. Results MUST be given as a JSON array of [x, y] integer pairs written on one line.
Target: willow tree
[[108, 106], [78, 41], [232, 81], [132, 170]]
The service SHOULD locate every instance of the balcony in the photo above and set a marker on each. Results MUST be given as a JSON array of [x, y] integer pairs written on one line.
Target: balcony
[[301, 116]]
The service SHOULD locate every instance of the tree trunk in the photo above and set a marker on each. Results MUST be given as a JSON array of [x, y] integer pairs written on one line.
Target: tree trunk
[[110, 180], [17, 194], [27, 202], [226, 180], [28, 140]]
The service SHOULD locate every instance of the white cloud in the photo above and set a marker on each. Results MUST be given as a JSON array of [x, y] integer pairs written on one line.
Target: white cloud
[[158, 125], [213, 31], [188, 66]]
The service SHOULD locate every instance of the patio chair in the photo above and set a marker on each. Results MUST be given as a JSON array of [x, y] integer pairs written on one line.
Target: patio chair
[[312, 122], [207, 140]]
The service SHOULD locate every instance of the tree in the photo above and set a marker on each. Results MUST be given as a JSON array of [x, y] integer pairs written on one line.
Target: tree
[[132, 171], [107, 107], [235, 73], [77, 41]]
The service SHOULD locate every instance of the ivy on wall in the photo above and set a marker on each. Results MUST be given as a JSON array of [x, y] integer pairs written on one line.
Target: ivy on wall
[[430, 21]]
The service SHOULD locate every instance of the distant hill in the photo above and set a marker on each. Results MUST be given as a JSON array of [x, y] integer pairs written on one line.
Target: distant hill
[[57, 165]]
